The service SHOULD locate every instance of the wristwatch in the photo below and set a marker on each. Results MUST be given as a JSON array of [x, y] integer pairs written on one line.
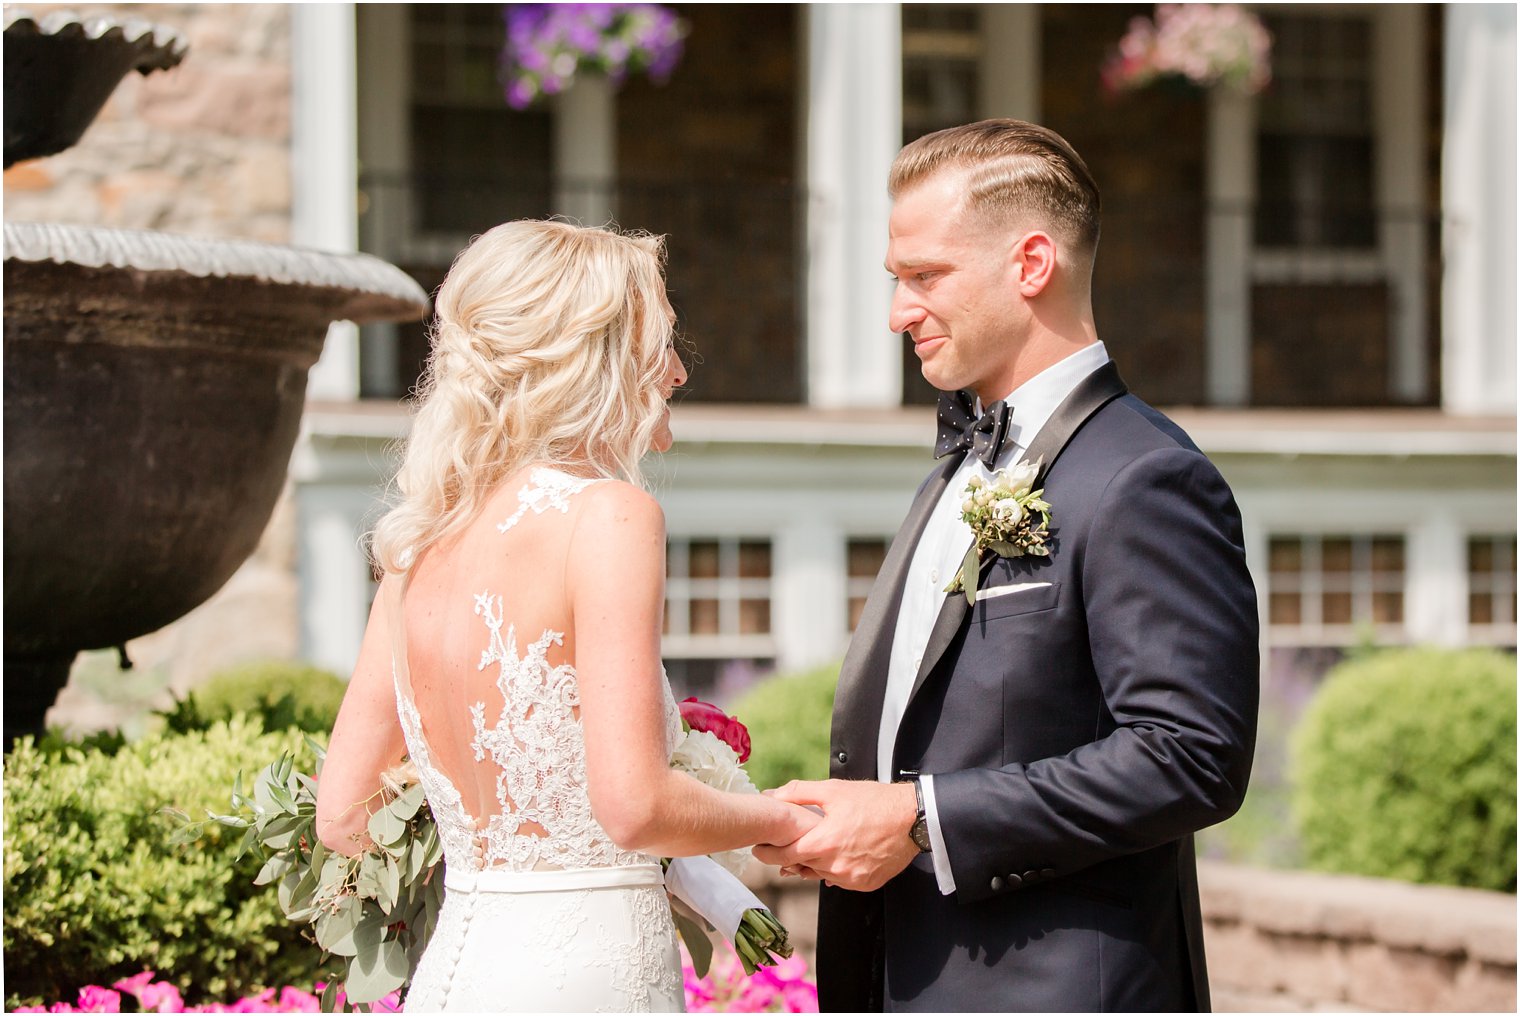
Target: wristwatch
[[919, 832]]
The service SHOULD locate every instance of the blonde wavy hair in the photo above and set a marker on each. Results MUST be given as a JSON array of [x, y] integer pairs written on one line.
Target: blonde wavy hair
[[549, 343]]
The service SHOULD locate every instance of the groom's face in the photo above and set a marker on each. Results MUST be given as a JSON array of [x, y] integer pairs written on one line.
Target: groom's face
[[955, 296]]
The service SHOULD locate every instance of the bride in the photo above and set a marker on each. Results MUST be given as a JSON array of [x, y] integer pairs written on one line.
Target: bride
[[513, 650]]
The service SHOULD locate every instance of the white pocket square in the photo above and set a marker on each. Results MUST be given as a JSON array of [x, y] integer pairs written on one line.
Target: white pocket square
[[1018, 587]]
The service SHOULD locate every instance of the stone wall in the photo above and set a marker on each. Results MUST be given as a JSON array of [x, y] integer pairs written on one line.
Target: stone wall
[[201, 149], [1295, 941]]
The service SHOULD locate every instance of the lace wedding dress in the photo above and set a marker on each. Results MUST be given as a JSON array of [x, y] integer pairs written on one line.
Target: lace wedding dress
[[542, 912]]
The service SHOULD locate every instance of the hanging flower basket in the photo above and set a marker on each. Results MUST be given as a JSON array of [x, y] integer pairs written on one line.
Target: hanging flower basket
[[1192, 47], [548, 44]]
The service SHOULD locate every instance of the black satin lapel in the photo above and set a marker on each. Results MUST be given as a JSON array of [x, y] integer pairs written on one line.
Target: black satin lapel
[[863, 676], [1094, 392]]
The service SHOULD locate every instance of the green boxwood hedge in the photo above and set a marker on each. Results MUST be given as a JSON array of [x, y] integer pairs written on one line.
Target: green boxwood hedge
[[1403, 766], [788, 718], [94, 891], [282, 693]]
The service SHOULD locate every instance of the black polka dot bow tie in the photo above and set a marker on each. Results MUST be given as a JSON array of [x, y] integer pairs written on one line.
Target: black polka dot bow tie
[[960, 429]]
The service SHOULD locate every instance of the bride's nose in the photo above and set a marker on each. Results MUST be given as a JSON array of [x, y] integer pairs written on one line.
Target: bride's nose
[[675, 371]]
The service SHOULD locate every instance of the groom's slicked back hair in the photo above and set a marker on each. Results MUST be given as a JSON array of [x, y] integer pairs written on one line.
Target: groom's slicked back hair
[[1014, 169]]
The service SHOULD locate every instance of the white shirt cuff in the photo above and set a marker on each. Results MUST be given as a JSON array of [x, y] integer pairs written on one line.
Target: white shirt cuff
[[942, 873]]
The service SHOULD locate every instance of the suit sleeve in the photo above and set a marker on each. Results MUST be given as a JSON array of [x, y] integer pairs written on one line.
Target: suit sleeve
[[1172, 625]]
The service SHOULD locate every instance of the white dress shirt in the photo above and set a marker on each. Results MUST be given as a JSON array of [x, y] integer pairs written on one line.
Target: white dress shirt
[[938, 557]]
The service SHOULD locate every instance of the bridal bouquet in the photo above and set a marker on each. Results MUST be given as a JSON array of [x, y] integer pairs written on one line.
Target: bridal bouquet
[[713, 751], [377, 909]]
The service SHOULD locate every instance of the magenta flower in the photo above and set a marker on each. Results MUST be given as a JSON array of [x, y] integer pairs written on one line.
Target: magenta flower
[[548, 44]]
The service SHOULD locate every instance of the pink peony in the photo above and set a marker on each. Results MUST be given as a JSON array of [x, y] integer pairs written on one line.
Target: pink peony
[[706, 716]]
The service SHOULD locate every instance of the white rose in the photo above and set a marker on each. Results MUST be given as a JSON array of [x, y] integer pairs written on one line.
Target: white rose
[[1008, 511], [709, 760]]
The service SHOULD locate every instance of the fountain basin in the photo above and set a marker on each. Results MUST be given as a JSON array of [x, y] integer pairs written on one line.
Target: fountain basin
[[153, 394]]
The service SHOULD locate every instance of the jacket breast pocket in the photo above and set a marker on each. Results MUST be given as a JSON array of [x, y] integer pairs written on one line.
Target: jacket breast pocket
[[1028, 600]]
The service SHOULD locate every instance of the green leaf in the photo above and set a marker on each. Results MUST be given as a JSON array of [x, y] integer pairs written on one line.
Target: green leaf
[[374, 974], [330, 992], [335, 928], [276, 867], [698, 945], [406, 805], [969, 570], [187, 833], [385, 828], [390, 884]]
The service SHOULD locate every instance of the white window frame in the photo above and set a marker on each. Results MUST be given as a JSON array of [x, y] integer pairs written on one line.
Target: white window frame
[[1234, 263], [728, 589], [1311, 631]]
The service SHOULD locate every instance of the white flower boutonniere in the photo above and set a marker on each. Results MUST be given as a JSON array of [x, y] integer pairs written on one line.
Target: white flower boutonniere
[[1006, 517]]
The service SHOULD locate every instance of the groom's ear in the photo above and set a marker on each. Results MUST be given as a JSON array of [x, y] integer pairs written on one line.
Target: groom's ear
[[1034, 262]]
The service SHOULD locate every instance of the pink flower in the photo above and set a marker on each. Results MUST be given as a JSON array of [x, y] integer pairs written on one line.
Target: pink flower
[[97, 999], [706, 716]]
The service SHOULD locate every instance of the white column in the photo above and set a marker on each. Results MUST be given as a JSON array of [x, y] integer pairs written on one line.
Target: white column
[[1478, 198], [324, 165], [1010, 64], [334, 576], [1435, 582], [810, 611], [1231, 157], [585, 150], [854, 129], [1399, 101]]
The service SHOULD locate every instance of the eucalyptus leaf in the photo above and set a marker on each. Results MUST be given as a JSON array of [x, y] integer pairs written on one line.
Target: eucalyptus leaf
[[276, 867], [335, 928], [1002, 549], [969, 569], [385, 829], [187, 833], [250, 837], [406, 804], [698, 945], [329, 1000], [372, 976], [390, 884]]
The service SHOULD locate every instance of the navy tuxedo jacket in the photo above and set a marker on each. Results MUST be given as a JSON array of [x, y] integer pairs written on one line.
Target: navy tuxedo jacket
[[1078, 731]]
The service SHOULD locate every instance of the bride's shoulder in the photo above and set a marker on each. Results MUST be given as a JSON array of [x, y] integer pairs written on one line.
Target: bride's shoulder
[[615, 506]]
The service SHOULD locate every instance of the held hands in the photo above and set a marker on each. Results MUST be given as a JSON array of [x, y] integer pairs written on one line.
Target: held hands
[[862, 840]]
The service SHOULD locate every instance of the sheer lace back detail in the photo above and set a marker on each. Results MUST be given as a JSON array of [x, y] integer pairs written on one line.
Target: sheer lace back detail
[[529, 732]]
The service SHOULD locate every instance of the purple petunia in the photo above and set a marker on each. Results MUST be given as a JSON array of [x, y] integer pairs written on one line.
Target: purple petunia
[[548, 44]]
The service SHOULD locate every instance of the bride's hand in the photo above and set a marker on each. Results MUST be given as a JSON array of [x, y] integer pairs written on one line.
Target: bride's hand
[[791, 822]]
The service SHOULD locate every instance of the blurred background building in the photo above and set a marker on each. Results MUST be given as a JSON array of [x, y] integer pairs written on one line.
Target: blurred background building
[[1316, 281]]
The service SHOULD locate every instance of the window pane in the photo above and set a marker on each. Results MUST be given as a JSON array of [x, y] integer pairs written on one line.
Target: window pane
[[1286, 608], [1335, 557], [755, 560], [1480, 608], [1388, 556], [1337, 608], [857, 606], [1480, 556], [704, 617], [703, 560], [866, 557], [1388, 608], [1286, 556], [754, 617]]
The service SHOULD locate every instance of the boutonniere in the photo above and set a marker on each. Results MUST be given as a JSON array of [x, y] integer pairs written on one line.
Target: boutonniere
[[1006, 517]]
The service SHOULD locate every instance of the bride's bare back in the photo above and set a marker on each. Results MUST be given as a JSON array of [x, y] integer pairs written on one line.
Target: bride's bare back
[[487, 688]]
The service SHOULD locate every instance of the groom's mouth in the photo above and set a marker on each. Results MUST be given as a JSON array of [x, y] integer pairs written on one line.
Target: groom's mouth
[[924, 345]]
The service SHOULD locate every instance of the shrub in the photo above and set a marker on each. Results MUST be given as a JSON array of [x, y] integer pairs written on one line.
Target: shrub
[[1404, 767], [282, 693], [788, 718], [94, 891]]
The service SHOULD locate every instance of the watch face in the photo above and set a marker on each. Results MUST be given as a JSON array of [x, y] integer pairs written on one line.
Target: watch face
[[920, 834]]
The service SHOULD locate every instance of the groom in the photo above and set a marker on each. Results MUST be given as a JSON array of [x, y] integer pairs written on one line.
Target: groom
[[1017, 781]]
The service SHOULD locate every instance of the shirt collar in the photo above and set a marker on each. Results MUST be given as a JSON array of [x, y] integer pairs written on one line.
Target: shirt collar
[[1036, 400]]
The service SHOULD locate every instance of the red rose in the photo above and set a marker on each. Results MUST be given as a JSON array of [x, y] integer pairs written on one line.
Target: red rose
[[706, 716]]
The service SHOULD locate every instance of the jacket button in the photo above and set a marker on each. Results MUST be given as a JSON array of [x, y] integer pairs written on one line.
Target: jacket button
[[997, 883], [1014, 881], [1047, 873], [1031, 876], [843, 757]]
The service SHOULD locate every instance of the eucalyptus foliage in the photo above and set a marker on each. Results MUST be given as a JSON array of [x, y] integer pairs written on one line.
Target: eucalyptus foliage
[[375, 910]]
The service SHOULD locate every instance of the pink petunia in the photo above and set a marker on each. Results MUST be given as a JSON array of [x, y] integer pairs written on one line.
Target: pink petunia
[[97, 999]]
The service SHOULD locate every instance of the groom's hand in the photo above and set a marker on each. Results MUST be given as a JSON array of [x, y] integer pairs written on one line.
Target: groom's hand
[[862, 841]]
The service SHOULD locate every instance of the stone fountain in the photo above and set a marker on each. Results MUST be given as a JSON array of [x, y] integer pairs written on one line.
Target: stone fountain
[[154, 384]]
